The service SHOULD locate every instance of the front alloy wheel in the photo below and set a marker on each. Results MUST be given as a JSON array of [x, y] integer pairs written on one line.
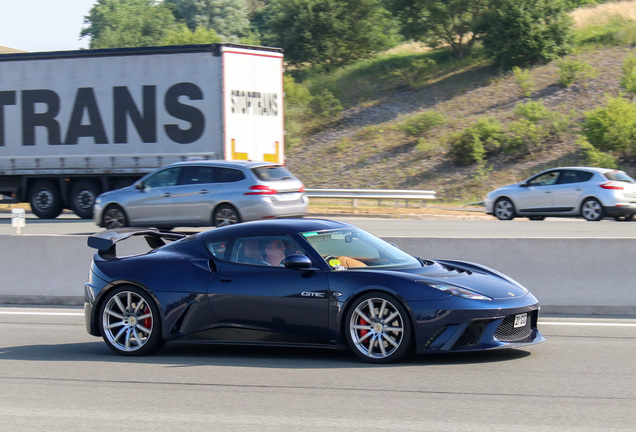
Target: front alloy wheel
[[378, 329], [129, 322], [592, 210], [504, 209], [114, 217]]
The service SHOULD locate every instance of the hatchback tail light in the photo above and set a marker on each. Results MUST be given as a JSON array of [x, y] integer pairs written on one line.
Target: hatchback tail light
[[612, 185], [261, 190]]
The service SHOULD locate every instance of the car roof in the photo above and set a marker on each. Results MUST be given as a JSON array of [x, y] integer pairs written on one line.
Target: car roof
[[595, 169], [223, 163], [274, 227]]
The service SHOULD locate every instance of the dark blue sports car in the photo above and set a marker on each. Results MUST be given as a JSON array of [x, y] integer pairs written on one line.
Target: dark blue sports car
[[299, 281]]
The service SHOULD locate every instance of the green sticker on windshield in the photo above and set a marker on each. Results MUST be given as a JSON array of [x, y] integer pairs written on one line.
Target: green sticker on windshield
[[310, 234]]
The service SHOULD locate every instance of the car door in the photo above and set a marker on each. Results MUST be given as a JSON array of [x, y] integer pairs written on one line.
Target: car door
[[270, 303], [568, 193], [152, 204], [535, 195], [194, 196]]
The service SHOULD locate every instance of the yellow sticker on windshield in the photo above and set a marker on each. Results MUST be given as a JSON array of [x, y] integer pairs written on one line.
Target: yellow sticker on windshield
[[334, 262]]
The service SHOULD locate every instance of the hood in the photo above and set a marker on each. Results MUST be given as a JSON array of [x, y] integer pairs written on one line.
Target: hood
[[474, 277]]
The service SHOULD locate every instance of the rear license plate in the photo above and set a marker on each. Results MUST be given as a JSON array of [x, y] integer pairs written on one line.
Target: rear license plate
[[521, 320]]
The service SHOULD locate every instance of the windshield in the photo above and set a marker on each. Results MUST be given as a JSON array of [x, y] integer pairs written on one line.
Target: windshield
[[349, 248]]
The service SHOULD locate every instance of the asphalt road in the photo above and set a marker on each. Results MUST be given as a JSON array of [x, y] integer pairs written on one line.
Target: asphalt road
[[55, 377], [518, 228]]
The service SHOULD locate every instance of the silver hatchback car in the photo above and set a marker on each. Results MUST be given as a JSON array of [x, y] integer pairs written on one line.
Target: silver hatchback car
[[593, 193], [204, 193]]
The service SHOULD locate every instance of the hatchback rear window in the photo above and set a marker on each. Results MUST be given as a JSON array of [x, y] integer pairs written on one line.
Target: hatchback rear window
[[618, 176], [272, 173]]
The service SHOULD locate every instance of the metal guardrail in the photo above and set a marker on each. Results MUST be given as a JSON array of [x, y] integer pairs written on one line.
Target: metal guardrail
[[355, 194]]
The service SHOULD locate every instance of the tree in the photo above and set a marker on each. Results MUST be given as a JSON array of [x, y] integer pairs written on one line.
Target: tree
[[525, 32], [441, 22], [329, 32], [182, 35], [228, 18], [127, 23]]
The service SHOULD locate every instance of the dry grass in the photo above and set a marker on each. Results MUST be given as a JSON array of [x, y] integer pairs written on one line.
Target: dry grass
[[601, 14]]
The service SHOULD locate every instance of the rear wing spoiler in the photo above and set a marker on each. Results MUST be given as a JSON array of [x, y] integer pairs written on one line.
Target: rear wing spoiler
[[105, 242]]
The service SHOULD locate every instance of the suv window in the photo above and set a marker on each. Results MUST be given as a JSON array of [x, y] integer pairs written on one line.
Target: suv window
[[272, 173], [197, 175], [228, 175], [167, 177]]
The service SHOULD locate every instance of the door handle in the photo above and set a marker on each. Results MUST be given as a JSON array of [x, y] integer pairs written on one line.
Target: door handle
[[225, 280], [203, 191], [167, 195]]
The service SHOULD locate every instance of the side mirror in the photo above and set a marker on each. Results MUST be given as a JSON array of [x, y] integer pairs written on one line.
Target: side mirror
[[298, 262], [140, 186]]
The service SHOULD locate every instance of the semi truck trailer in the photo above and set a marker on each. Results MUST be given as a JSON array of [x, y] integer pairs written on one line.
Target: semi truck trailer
[[74, 124]]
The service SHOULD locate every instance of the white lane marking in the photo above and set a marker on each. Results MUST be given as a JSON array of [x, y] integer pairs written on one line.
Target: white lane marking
[[42, 313], [588, 324]]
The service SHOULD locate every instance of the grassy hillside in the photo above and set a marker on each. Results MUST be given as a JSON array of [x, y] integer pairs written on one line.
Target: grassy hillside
[[368, 146]]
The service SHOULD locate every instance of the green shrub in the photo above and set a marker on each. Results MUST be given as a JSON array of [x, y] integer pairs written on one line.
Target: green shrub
[[416, 73], [525, 138], [524, 80], [574, 71], [419, 124], [326, 105], [534, 111], [596, 158], [628, 81], [475, 142], [612, 128]]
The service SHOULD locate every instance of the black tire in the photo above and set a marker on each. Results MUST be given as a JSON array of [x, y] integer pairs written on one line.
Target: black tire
[[224, 215], [114, 217], [83, 195], [370, 336], [45, 199], [504, 209], [592, 210], [129, 321]]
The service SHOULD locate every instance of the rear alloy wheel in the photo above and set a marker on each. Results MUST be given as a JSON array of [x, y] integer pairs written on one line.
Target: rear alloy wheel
[[224, 215], [46, 200], [378, 329], [129, 322], [592, 210], [504, 209], [83, 196], [114, 217]]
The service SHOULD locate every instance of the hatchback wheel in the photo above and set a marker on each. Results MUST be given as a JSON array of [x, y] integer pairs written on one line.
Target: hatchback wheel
[[129, 322], [592, 210], [504, 209], [225, 214], [378, 328], [114, 217]]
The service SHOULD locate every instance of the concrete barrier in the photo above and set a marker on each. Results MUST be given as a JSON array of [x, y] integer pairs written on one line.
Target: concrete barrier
[[569, 276]]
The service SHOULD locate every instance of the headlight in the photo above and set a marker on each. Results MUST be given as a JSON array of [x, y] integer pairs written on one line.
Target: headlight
[[459, 291]]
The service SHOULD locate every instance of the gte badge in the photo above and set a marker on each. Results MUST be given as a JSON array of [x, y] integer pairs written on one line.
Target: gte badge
[[312, 294]]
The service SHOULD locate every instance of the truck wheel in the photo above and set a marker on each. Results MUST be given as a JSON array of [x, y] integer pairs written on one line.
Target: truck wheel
[[83, 196], [45, 199], [114, 217], [225, 214]]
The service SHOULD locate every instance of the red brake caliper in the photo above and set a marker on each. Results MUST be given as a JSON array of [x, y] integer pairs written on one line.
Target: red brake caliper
[[363, 332], [147, 321]]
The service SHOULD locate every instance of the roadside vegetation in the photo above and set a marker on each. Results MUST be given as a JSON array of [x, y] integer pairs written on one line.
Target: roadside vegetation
[[420, 118], [456, 96]]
